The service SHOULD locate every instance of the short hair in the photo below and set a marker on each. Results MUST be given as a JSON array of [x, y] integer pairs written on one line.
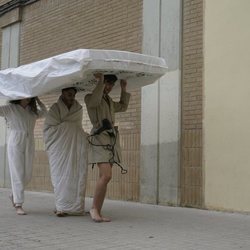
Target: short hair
[[15, 101], [110, 78], [69, 88]]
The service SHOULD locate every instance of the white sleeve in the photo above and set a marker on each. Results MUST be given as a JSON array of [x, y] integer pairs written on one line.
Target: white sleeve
[[5, 110], [43, 110]]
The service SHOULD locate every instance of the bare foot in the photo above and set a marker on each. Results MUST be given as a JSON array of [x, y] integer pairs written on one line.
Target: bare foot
[[60, 214], [20, 211], [95, 215], [105, 219]]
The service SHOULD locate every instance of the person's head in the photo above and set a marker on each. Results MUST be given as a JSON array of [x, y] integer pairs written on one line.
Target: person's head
[[68, 96], [109, 81], [31, 102]]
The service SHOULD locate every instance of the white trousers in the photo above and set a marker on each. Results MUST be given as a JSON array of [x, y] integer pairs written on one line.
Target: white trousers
[[20, 156]]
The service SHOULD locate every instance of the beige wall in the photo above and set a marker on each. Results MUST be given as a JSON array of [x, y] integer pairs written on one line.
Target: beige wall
[[227, 104]]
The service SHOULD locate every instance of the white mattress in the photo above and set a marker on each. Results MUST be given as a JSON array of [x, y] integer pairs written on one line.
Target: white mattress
[[76, 68]]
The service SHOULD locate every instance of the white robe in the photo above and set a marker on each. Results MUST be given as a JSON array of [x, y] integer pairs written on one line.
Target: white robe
[[21, 146], [66, 146]]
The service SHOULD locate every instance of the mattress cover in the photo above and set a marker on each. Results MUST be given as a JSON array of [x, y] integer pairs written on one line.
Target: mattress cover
[[76, 68]]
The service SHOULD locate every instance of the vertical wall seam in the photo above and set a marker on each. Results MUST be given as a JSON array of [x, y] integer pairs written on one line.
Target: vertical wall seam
[[181, 105], [159, 109]]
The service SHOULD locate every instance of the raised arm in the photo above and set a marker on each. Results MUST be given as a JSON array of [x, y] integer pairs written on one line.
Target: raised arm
[[94, 99], [122, 105], [43, 110]]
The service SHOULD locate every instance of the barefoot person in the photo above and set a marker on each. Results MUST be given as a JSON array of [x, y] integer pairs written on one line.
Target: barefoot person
[[21, 116], [101, 110], [66, 146]]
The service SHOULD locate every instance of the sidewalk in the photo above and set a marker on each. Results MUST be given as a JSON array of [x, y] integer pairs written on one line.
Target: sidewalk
[[134, 226]]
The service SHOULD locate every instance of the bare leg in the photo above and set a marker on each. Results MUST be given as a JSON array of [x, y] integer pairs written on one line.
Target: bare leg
[[105, 175]]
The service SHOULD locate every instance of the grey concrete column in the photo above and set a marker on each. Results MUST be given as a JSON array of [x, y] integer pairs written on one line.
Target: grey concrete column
[[150, 109], [10, 58], [160, 134], [2, 149]]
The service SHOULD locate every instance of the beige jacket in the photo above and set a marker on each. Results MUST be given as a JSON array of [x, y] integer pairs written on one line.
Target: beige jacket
[[98, 109]]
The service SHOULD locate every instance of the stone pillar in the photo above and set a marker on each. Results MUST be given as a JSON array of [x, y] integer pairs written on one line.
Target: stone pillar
[[10, 25], [160, 134]]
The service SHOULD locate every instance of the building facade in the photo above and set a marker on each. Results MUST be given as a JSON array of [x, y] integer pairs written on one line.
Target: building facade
[[40, 29], [185, 137]]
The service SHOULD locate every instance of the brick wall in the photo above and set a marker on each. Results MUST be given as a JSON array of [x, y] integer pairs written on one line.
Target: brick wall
[[50, 27], [2, 2], [191, 155]]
